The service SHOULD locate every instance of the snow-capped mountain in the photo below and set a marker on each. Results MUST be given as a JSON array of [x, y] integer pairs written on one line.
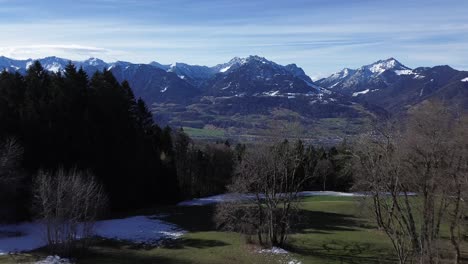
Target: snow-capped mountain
[[440, 82], [194, 74], [257, 76], [378, 75], [395, 87], [154, 84], [12, 65], [385, 83], [198, 75], [233, 64]]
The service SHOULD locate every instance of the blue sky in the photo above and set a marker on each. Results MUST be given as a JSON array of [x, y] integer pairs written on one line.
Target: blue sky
[[322, 36]]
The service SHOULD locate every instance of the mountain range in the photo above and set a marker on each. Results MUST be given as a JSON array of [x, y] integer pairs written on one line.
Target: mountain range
[[253, 95], [395, 87]]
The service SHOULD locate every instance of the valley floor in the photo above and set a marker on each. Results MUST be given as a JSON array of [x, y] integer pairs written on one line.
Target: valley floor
[[332, 230]]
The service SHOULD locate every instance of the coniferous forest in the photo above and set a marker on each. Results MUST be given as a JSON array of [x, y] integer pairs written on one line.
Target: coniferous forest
[[94, 123]]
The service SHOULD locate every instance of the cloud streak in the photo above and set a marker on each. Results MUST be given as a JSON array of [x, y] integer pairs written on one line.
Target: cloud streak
[[35, 51]]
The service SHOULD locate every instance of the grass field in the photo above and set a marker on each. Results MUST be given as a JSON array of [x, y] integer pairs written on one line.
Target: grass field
[[330, 230]]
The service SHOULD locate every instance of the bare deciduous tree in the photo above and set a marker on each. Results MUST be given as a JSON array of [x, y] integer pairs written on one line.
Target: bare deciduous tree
[[429, 157], [271, 176], [379, 172], [68, 202]]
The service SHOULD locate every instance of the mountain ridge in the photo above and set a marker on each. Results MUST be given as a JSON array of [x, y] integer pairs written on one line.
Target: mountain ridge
[[385, 83]]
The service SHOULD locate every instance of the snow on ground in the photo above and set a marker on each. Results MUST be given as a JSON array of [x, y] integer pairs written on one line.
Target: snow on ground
[[21, 237], [294, 262], [273, 250], [465, 80], [229, 197], [54, 260], [280, 251], [235, 197], [232, 197], [137, 229]]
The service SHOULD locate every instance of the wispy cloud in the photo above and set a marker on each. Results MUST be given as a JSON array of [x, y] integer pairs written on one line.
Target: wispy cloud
[[36, 51]]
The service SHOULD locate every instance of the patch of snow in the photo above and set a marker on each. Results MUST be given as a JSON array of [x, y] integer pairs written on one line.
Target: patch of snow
[[28, 64], [404, 72], [173, 234], [272, 93], [279, 251], [345, 73], [229, 85], [382, 66], [465, 80], [361, 92], [21, 237], [225, 69], [94, 62], [233, 197], [55, 67], [164, 89], [54, 260], [417, 76], [137, 229], [273, 250], [181, 76], [228, 197]]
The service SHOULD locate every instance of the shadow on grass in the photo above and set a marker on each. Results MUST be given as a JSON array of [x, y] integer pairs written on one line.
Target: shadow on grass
[[345, 252], [108, 251], [96, 255], [323, 222], [317, 222], [102, 251], [193, 243]]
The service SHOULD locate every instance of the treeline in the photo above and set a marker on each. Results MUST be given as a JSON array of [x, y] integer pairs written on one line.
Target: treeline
[[68, 120], [205, 169]]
